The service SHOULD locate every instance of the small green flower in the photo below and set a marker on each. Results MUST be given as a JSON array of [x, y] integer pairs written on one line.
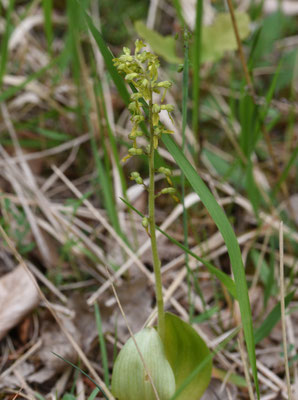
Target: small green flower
[[131, 76]]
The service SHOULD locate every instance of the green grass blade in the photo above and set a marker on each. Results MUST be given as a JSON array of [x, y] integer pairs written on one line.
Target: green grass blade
[[4, 41], [220, 275], [178, 7], [103, 350], [82, 372], [182, 177], [223, 224], [10, 92], [98, 90], [48, 27], [272, 319], [286, 171], [93, 394], [108, 57], [103, 177], [196, 61]]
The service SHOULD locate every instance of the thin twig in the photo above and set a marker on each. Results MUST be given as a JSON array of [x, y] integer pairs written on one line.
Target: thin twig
[[282, 306]]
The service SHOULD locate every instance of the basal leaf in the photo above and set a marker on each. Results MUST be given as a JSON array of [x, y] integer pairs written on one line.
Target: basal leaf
[[219, 37], [185, 349]]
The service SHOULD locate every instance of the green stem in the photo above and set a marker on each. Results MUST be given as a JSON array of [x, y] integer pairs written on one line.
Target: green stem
[[151, 206]]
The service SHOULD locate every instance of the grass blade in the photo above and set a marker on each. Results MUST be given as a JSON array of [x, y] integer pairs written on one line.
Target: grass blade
[[82, 372], [272, 319], [4, 41], [10, 92], [196, 60], [47, 13], [178, 7], [223, 224], [182, 177], [220, 275], [93, 394], [103, 350], [108, 57]]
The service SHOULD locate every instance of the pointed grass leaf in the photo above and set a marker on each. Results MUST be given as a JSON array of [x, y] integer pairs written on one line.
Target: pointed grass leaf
[[224, 226], [93, 394], [82, 372], [272, 319], [220, 275], [130, 380], [185, 349], [108, 58]]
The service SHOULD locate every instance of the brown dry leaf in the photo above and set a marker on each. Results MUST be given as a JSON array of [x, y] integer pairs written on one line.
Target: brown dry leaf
[[54, 341], [136, 299], [18, 296], [216, 390]]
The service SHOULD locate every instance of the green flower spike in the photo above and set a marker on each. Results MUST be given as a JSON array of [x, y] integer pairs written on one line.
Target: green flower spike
[[130, 380]]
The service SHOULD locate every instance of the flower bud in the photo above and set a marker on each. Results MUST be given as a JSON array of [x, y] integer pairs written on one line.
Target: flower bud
[[165, 84], [130, 379], [168, 190], [135, 151], [156, 108], [134, 175], [145, 222], [165, 171], [167, 107]]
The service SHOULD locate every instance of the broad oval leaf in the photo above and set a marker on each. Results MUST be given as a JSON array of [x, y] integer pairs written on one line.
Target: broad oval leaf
[[219, 37], [164, 46], [185, 351], [130, 380]]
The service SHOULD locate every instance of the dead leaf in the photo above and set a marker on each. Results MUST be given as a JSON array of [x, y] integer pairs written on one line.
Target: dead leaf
[[217, 391], [54, 341], [18, 296]]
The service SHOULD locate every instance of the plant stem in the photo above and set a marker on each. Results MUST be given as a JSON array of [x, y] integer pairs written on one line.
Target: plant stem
[[151, 207]]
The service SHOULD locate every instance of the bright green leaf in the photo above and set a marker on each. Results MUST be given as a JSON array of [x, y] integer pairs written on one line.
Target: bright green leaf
[[219, 37], [164, 46], [185, 349], [130, 380], [222, 222]]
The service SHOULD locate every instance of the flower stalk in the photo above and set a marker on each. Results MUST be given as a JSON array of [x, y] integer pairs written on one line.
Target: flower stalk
[[151, 212], [141, 70]]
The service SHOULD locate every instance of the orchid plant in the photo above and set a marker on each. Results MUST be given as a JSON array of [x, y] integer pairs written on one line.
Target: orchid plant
[[156, 363]]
